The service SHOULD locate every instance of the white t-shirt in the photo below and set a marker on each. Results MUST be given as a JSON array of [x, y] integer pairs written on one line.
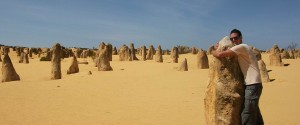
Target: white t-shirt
[[248, 63]]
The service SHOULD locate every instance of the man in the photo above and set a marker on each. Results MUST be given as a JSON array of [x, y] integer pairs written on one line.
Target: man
[[253, 87]]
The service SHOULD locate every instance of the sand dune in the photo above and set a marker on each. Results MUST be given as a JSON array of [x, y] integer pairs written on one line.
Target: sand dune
[[134, 93]]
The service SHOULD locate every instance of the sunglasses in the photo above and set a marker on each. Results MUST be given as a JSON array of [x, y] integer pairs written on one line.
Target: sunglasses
[[234, 38]]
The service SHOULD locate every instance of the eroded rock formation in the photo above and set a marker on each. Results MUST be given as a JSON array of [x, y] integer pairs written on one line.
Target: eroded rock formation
[[223, 99], [8, 71], [55, 61]]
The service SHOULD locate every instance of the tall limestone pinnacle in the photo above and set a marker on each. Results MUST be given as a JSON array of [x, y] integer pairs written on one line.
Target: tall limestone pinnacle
[[223, 99]]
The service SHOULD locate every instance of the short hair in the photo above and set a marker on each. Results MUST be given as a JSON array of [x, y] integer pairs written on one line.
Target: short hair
[[236, 31]]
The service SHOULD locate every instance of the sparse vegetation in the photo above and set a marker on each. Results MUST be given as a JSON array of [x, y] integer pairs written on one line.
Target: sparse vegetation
[[292, 46], [35, 50], [183, 49]]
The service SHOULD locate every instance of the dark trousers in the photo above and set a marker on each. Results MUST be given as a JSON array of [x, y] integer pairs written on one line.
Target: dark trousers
[[251, 113]]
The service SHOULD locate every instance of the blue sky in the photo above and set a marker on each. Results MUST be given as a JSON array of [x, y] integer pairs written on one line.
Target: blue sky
[[199, 23]]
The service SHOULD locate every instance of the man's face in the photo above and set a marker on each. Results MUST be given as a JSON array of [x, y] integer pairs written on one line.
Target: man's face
[[235, 38]]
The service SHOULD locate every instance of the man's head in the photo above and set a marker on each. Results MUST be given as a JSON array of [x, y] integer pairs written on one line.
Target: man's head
[[236, 36]]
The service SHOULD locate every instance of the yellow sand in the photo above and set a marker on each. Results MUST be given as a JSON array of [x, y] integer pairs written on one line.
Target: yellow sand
[[135, 93]]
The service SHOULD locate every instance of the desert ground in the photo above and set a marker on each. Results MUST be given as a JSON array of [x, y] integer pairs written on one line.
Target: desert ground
[[134, 93]]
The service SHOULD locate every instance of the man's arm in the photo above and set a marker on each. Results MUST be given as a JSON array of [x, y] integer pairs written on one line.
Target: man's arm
[[226, 53]]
